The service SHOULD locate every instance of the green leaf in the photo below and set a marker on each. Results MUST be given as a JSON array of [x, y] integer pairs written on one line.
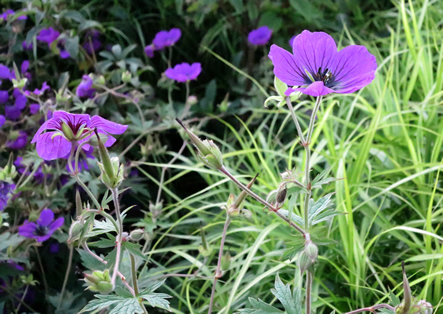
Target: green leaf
[[155, 299], [315, 208], [260, 307], [321, 179], [294, 217], [280, 87], [291, 302], [71, 45], [394, 299], [326, 215], [134, 249], [122, 305]]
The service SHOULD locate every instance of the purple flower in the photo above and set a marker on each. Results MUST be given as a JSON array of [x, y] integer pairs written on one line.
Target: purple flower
[[26, 46], [20, 102], [5, 193], [64, 54], [19, 142], [317, 69], [149, 50], [12, 113], [66, 129], [2, 120], [34, 108], [43, 228], [92, 42], [42, 90], [5, 73], [84, 89], [260, 36], [184, 72], [166, 38], [4, 96], [48, 35], [24, 67]]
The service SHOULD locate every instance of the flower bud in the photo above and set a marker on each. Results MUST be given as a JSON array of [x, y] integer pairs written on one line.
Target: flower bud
[[226, 261], [126, 77], [101, 80], [407, 298], [75, 230], [207, 152], [9, 172], [311, 250], [303, 262], [112, 174], [137, 235], [236, 207], [99, 281], [192, 100], [281, 194]]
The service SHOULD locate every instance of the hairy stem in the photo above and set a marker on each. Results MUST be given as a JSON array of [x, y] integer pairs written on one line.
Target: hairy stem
[[372, 308], [294, 117], [68, 271], [218, 273], [309, 277], [119, 235], [135, 283], [259, 199]]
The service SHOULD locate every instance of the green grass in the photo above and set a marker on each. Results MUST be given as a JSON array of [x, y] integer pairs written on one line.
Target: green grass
[[385, 142]]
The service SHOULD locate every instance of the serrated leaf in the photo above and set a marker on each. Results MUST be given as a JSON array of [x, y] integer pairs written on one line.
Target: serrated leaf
[[134, 249], [318, 184], [315, 208], [157, 299], [294, 217], [394, 299], [122, 305], [326, 215], [290, 302]]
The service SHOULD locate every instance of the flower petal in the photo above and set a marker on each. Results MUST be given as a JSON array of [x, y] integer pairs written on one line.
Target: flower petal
[[72, 118], [27, 229], [353, 68], [50, 148], [55, 225], [313, 51], [107, 126], [315, 89], [46, 217], [286, 68]]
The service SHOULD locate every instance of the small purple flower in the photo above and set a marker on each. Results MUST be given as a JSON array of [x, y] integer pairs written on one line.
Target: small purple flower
[[149, 50], [19, 142], [2, 120], [26, 46], [40, 91], [20, 102], [166, 38], [48, 35], [5, 193], [66, 129], [5, 72], [34, 108], [260, 36], [12, 113], [92, 41], [84, 89], [43, 228], [184, 72], [4, 96], [316, 68], [24, 67], [64, 54]]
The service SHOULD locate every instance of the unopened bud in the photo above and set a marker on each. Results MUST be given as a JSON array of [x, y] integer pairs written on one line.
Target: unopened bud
[[9, 172], [281, 194], [137, 235], [126, 77], [303, 262], [75, 230], [101, 80], [311, 250], [192, 100], [112, 174], [236, 207], [99, 281]]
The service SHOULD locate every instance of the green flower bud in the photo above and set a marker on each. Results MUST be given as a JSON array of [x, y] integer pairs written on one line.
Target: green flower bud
[[311, 250], [137, 235], [112, 172], [407, 298], [126, 77], [99, 281], [75, 230], [205, 252], [9, 172], [303, 262], [101, 80], [33, 216], [225, 261], [192, 100]]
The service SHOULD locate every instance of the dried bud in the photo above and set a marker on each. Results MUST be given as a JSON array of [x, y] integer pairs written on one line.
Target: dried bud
[[281, 194], [136, 235], [234, 208], [99, 281]]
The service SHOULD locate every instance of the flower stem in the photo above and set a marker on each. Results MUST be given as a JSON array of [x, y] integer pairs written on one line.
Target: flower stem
[[294, 117], [91, 196], [372, 308], [68, 271], [309, 278], [218, 273], [259, 199], [119, 234], [135, 283]]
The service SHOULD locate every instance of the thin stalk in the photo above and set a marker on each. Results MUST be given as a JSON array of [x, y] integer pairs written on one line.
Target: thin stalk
[[135, 283], [119, 234], [91, 196], [22, 299], [372, 308], [294, 117], [218, 273], [45, 283], [68, 271], [308, 291], [187, 104], [259, 199]]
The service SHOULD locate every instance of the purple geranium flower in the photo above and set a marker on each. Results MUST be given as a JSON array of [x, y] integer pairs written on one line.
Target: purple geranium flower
[[5, 193], [5, 72], [84, 89], [26, 46], [92, 41], [34, 108], [19, 142], [149, 50], [48, 35], [43, 228], [260, 36], [67, 129], [4, 96], [317, 69], [12, 112], [166, 38], [40, 91], [184, 72], [2, 120]]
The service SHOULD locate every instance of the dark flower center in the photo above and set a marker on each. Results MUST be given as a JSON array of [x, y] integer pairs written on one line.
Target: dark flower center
[[326, 76], [72, 125], [41, 230]]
